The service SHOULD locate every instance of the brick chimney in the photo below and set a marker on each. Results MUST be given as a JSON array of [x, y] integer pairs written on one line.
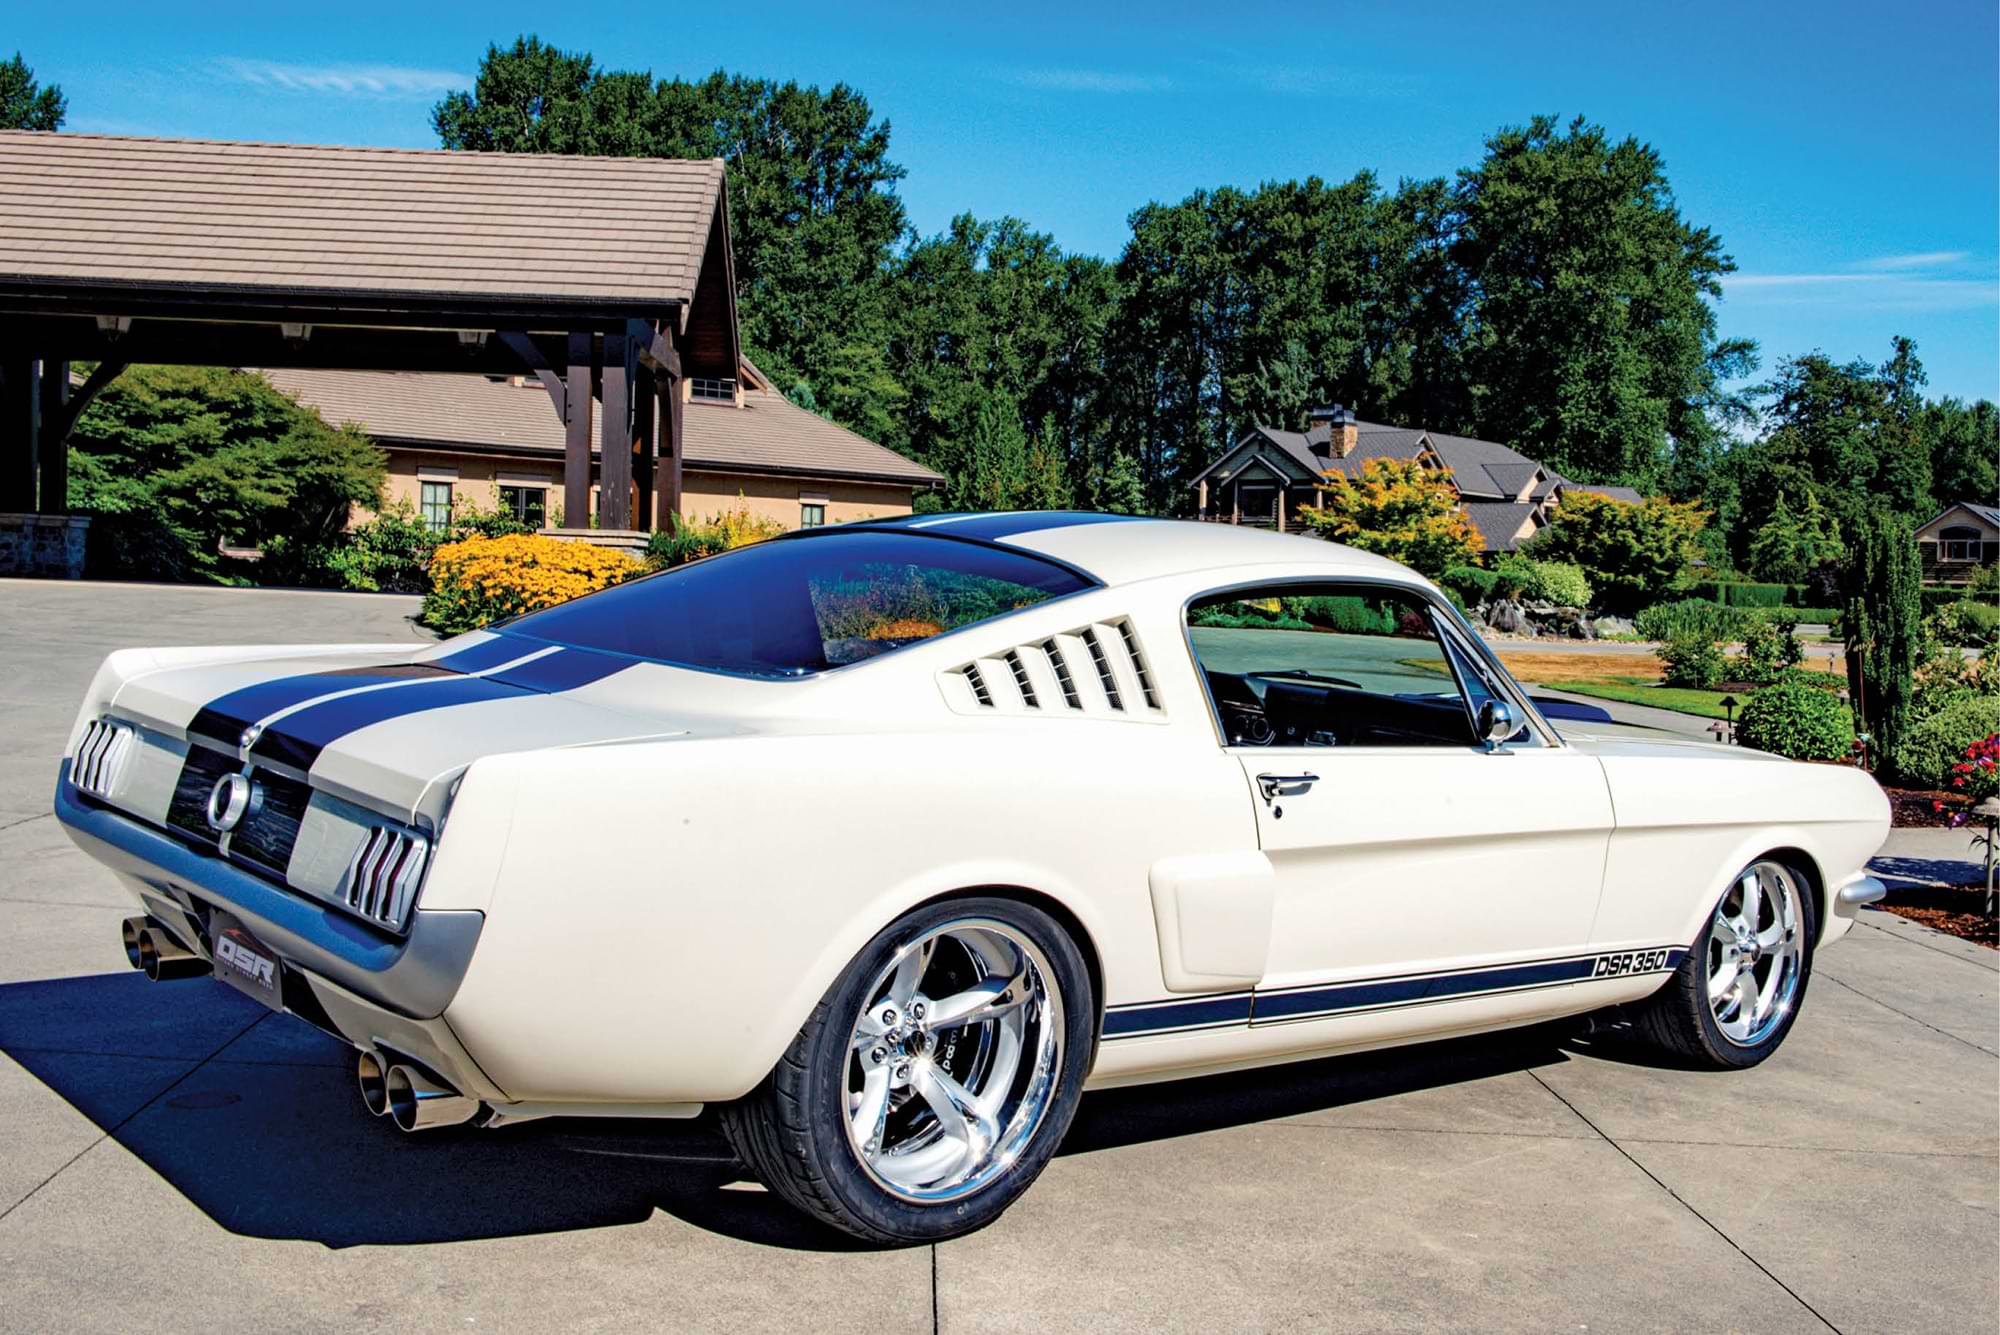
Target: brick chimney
[[1333, 431]]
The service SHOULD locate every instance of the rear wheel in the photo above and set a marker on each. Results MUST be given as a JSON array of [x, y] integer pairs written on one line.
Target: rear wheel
[[933, 1081], [1736, 995]]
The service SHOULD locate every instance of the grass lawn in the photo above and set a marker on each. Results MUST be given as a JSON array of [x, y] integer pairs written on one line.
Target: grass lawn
[[1639, 691]]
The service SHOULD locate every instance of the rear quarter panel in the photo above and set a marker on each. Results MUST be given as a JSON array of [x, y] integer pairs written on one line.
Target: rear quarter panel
[[667, 914]]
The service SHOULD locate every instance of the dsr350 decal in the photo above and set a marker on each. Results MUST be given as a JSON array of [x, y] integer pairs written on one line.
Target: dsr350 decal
[[1632, 961]]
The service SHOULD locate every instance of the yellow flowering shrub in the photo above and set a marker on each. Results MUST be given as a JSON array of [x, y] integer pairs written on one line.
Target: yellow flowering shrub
[[482, 580]]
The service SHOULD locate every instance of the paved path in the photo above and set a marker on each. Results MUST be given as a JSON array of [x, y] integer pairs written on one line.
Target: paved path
[[176, 1159]]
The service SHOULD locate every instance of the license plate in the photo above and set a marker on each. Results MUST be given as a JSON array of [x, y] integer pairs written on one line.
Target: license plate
[[245, 963]]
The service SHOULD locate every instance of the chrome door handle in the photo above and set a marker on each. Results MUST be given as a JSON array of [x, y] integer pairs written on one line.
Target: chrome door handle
[[1274, 784]]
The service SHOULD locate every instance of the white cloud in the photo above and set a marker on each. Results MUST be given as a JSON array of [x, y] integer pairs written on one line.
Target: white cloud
[[1934, 280], [1092, 81], [373, 81], [1929, 259]]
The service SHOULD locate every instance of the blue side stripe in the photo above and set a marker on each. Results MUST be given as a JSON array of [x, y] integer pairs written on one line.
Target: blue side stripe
[[1165, 1017], [1194, 1013], [1403, 991]]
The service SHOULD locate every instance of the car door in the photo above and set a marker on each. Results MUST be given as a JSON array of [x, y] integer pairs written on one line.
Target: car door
[[1413, 863]]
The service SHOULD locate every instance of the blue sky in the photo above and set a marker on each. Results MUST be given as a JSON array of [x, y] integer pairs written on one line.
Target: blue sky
[[1846, 153]]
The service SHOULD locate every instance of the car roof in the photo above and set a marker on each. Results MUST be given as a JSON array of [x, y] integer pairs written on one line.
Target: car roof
[[1119, 549]]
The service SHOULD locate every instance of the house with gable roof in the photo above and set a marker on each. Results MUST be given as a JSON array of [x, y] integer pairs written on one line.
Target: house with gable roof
[[1270, 473]]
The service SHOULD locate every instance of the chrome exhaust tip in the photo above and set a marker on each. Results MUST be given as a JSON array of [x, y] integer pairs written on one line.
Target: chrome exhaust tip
[[418, 1103], [374, 1080], [162, 957], [130, 932]]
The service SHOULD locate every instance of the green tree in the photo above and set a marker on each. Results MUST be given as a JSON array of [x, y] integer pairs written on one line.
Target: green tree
[[1965, 447], [25, 104], [1882, 622], [175, 461], [1789, 543], [1592, 330], [812, 206], [1632, 554], [1399, 509]]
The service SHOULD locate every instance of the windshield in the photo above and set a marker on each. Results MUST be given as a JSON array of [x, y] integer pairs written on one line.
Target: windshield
[[789, 607]]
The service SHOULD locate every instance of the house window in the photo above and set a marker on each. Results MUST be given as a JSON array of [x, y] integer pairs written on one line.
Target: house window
[[812, 514], [1958, 544], [714, 391], [435, 502], [528, 505]]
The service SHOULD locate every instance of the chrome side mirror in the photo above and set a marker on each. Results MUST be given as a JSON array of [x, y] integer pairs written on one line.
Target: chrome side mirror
[[1496, 723]]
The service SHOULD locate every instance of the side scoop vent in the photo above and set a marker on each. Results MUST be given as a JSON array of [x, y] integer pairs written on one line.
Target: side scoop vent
[[1095, 670]]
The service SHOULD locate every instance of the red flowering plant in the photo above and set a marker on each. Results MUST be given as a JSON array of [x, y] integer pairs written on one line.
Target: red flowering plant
[[1977, 777]]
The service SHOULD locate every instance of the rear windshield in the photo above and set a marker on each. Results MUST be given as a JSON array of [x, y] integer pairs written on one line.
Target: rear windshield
[[793, 606]]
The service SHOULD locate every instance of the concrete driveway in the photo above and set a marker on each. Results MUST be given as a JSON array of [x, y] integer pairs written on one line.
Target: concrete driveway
[[176, 1159]]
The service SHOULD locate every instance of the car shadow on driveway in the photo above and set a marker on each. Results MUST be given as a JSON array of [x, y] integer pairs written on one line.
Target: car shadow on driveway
[[255, 1119]]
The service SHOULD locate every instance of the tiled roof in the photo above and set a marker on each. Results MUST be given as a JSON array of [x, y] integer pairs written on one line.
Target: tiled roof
[[209, 214], [1500, 522], [768, 434]]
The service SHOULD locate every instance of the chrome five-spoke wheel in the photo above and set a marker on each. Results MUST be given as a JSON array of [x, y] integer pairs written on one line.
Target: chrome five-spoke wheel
[[954, 1056], [1756, 949], [935, 1078]]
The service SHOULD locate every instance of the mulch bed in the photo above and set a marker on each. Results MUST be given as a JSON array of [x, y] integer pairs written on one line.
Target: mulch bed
[[1916, 809], [1958, 910]]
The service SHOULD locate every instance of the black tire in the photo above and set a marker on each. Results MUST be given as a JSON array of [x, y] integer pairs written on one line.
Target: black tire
[[1678, 1019], [791, 1132]]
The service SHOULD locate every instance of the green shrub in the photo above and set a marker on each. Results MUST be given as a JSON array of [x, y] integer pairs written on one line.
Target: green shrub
[[1689, 616], [1928, 751], [1770, 648], [1795, 719], [1692, 659], [1967, 625], [1349, 615], [1757, 595], [1473, 584], [1557, 582]]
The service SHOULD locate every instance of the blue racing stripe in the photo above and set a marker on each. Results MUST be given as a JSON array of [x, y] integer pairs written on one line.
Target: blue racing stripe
[[297, 739], [225, 717], [563, 671], [992, 528]]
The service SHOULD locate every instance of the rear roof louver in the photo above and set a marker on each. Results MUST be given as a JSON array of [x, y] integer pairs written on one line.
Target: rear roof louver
[[1097, 670]]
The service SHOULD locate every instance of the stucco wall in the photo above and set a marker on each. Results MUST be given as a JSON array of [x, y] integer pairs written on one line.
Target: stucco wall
[[476, 481]]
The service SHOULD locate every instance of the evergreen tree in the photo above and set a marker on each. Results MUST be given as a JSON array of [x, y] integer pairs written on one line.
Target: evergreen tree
[[26, 104], [1882, 624]]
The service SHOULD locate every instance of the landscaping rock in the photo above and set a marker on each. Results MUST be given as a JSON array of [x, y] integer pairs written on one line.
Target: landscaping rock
[[1605, 627], [1506, 616]]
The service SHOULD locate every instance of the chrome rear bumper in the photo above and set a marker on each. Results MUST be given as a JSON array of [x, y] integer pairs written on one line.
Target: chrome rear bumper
[[414, 977]]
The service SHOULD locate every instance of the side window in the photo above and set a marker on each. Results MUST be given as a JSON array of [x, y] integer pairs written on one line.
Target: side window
[[1345, 666]]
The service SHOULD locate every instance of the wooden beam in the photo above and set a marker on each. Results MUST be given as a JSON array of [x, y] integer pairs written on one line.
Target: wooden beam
[[667, 490], [52, 444], [644, 411], [614, 487], [20, 430], [531, 357], [576, 434]]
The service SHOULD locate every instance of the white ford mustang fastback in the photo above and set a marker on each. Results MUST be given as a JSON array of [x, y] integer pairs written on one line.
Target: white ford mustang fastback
[[888, 840]]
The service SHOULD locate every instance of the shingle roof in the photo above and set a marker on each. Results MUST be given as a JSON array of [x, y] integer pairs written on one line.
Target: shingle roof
[[191, 212], [1499, 522], [1509, 479], [768, 434], [1629, 495]]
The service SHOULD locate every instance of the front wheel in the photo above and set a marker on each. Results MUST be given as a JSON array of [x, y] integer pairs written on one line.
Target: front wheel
[[933, 1081], [1735, 996]]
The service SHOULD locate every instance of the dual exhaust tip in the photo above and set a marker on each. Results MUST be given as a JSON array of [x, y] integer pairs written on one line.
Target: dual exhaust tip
[[152, 948], [409, 1097]]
